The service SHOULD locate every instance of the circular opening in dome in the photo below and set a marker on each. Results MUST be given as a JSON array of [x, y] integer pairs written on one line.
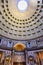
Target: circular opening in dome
[[22, 5]]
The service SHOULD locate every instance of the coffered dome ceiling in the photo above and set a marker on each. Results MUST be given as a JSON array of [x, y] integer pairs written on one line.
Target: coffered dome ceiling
[[16, 24]]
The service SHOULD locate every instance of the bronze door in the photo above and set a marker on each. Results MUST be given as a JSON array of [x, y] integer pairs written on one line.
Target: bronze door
[[19, 63]]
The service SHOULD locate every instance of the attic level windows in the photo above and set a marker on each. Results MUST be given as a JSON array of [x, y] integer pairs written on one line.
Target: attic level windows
[[0, 40], [9, 42], [29, 44]]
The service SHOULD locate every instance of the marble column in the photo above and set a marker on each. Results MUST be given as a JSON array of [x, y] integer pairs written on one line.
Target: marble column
[[12, 57], [26, 57], [40, 58]]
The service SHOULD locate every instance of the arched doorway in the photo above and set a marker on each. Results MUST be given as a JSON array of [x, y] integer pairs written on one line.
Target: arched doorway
[[20, 63]]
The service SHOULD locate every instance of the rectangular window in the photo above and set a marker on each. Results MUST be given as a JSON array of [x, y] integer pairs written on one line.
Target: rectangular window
[[0, 40]]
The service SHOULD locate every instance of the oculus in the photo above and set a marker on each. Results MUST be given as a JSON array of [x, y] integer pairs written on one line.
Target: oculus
[[22, 5]]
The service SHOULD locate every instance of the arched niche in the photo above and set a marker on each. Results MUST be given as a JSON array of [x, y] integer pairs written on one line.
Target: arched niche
[[19, 46]]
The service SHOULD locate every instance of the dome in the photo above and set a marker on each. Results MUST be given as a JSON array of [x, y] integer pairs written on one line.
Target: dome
[[19, 24]]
